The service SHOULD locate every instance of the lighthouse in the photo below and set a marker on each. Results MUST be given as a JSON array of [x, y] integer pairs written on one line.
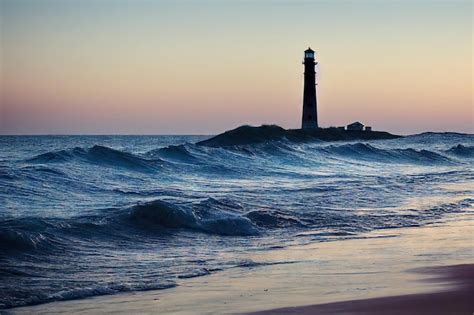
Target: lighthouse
[[310, 104]]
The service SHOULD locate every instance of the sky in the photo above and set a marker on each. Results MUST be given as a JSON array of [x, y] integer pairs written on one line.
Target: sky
[[203, 67]]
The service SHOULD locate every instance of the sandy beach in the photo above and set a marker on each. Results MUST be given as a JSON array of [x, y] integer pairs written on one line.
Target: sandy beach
[[411, 270], [457, 300]]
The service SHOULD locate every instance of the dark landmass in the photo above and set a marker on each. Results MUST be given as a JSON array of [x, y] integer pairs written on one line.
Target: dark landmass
[[452, 133], [458, 299], [249, 135]]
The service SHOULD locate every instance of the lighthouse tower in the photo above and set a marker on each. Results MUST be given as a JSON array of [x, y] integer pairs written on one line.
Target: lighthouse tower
[[310, 105]]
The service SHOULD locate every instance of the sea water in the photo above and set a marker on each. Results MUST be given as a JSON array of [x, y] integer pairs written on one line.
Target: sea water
[[82, 216]]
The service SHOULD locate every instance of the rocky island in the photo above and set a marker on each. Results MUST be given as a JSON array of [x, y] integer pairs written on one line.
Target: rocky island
[[249, 135]]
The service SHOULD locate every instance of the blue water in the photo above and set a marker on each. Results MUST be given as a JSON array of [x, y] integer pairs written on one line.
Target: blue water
[[89, 215]]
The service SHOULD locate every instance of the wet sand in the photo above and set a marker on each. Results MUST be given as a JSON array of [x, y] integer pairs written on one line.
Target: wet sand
[[458, 300], [393, 271]]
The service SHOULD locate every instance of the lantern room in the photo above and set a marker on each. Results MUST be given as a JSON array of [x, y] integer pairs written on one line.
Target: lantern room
[[309, 53]]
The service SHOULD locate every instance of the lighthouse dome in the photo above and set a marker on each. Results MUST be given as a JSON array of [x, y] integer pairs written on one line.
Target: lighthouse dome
[[309, 53]]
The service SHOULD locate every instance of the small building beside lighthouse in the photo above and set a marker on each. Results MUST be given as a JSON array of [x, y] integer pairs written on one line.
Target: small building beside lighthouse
[[310, 104]]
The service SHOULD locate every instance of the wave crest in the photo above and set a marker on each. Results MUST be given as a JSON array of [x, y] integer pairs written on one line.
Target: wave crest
[[368, 152], [98, 155], [462, 151], [165, 214]]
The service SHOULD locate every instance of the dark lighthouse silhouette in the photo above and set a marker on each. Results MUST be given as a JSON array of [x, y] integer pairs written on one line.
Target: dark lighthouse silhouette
[[310, 129], [310, 103]]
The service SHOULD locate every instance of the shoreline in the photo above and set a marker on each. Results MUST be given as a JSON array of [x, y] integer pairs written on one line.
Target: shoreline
[[457, 300], [377, 265]]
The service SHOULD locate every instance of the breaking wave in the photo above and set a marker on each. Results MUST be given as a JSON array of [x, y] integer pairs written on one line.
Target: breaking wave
[[165, 214], [210, 216], [98, 155], [175, 153], [216, 159], [462, 151], [369, 152]]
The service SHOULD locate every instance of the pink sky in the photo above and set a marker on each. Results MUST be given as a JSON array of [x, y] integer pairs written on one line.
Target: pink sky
[[101, 67]]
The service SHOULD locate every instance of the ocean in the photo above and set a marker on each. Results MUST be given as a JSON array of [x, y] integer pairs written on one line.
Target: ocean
[[83, 216]]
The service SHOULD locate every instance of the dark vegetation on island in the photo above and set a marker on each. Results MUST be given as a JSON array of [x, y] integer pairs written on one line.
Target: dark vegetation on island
[[249, 135]]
